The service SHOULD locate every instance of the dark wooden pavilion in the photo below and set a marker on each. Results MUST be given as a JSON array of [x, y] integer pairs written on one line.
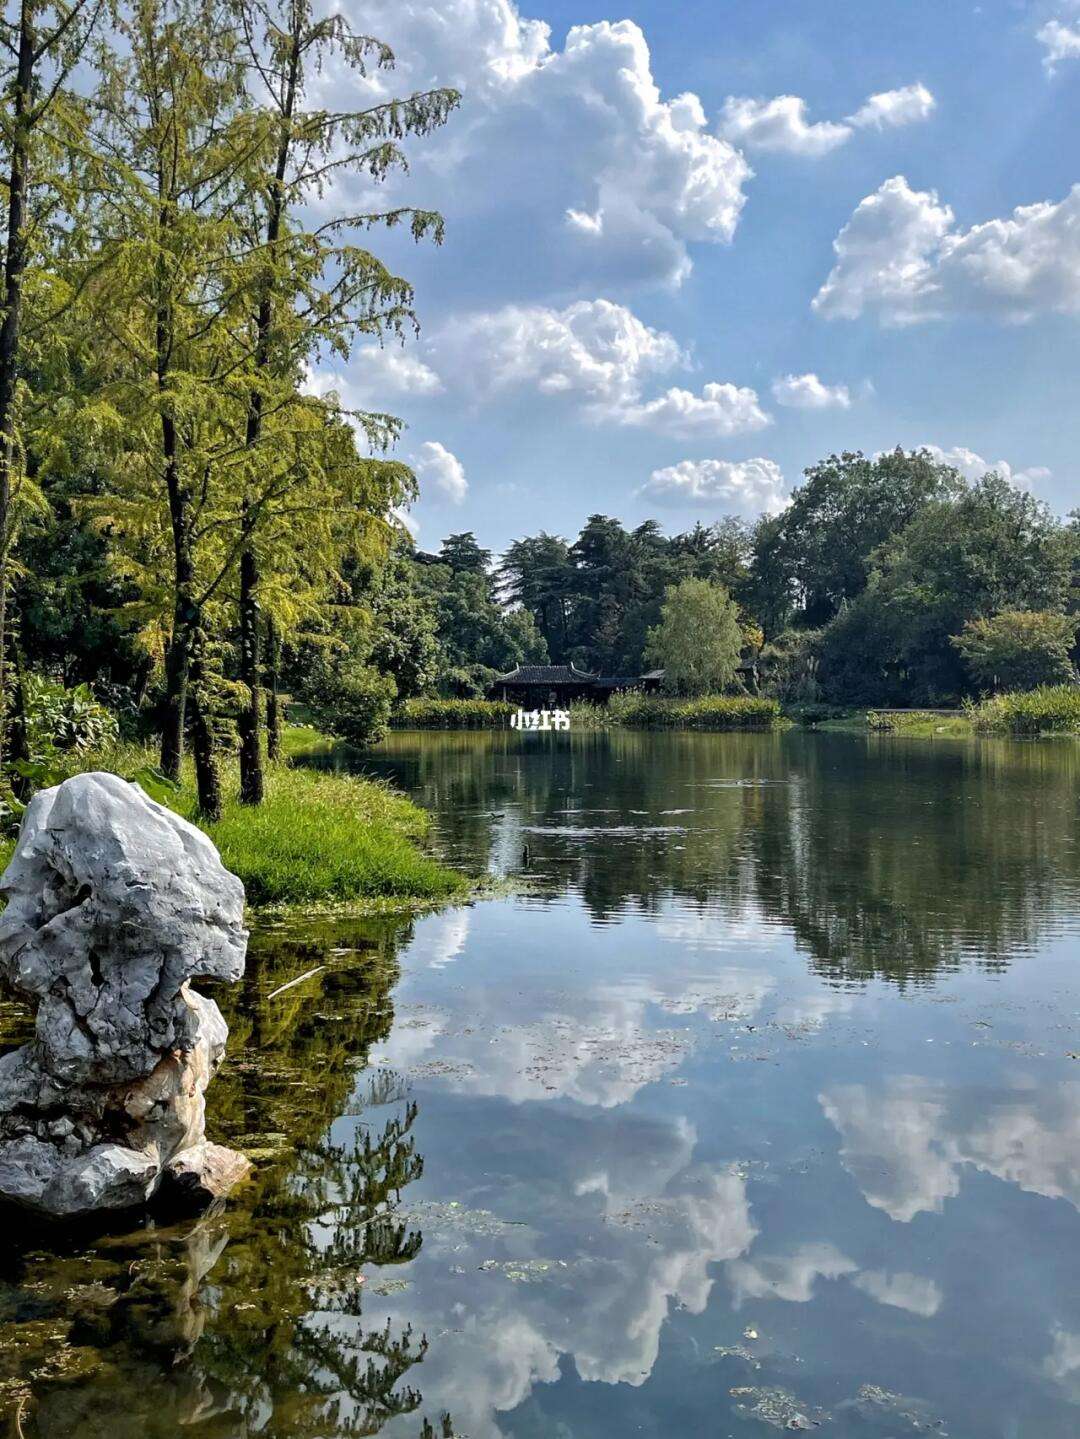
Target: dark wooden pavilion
[[556, 686]]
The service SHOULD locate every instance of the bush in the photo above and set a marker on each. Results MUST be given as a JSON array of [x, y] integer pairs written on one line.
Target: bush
[[1019, 649], [349, 699], [62, 721], [453, 714], [710, 712], [788, 667], [815, 713], [1050, 709]]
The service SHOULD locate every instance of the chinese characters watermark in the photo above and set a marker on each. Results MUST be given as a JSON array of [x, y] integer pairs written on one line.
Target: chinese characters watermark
[[540, 719]]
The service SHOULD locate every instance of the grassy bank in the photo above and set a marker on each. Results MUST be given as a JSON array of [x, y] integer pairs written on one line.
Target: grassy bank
[[1051, 709], [926, 723], [318, 840]]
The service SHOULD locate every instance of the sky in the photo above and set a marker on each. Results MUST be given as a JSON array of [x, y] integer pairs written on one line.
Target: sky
[[694, 246]]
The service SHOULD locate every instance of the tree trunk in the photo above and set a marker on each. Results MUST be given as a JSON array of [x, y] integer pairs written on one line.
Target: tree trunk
[[14, 269], [207, 778], [252, 782], [273, 704]]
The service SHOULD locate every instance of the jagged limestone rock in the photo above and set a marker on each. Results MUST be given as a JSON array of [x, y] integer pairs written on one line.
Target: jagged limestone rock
[[114, 904]]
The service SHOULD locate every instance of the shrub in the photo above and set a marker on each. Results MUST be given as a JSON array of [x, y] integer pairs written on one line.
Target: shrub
[[788, 667], [453, 714], [1019, 649], [62, 721], [349, 699], [1050, 709], [813, 713], [710, 712]]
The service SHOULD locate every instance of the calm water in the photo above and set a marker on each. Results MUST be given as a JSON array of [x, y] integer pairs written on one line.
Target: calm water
[[757, 1108]]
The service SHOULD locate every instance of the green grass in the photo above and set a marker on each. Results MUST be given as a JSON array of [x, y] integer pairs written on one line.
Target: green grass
[[918, 723], [317, 840], [1050, 709]]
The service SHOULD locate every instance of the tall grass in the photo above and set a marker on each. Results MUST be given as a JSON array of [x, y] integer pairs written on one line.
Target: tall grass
[[1050, 709], [452, 714], [710, 712]]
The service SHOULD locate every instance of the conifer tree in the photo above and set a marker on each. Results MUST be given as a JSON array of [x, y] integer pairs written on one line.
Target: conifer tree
[[316, 289]]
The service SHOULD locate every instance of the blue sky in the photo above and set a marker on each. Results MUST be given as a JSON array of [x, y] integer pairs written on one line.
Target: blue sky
[[643, 201]]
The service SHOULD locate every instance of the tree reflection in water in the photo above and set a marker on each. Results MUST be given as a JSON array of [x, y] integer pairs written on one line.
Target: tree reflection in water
[[248, 1321]]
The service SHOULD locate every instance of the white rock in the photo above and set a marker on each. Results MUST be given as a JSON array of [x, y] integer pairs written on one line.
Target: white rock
[[114, 904]]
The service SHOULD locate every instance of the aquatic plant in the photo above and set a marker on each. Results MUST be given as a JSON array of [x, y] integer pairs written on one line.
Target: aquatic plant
[[1050, 709]]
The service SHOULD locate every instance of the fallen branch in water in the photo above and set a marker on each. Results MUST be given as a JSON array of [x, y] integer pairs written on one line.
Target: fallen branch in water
[[298, 980]]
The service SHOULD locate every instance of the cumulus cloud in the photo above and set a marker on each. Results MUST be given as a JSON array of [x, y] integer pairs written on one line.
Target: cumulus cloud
[[747, 485], [600, 354], [379, 374], [435, 464], [973, 466], [891, 108], [781, 124], [807, 392], [907, 1144], [788, 1276], [594, 348], [632, 174], [1060, 42], [718, 411], [902, 257]]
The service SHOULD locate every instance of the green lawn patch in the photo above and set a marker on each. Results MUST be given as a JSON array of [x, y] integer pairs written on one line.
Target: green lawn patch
[[318, 840]]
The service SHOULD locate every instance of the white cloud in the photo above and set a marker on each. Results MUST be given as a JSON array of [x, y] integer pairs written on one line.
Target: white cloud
[[891, 108], [788, 1276], [595, 349], [720, 410], [747, 485], [599, 353], [907, 1144], [382, 373], [1060, 41], [588, 121], [973, 466], [912, 1292], [901, 257], [779, 124], [807, 392], [435, 463]]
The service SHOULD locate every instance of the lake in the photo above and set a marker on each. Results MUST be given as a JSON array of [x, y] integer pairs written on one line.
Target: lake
[[753, 1104]]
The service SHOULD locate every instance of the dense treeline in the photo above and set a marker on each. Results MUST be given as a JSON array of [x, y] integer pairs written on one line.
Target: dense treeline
[[887, 580]]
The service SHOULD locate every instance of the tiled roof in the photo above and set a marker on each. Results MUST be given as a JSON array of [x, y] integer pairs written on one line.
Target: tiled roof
[[546, 675]]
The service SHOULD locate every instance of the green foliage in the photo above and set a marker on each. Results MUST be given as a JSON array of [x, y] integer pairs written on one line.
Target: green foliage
[[698, 640], [788, 667], [819, 552], [993, 547], [708, 712], [452, 714], [61, 721], [1050, 709], [348, 698], [477, 637], [1019, 649]]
